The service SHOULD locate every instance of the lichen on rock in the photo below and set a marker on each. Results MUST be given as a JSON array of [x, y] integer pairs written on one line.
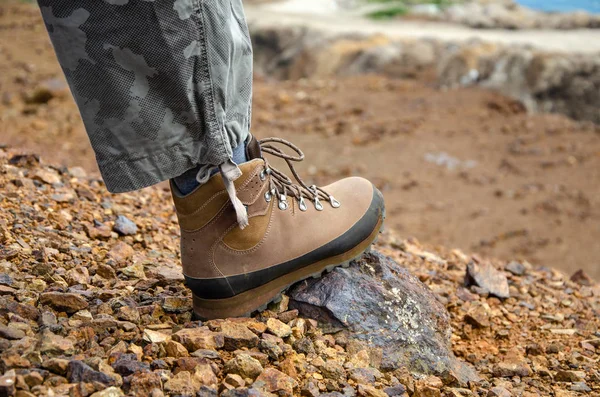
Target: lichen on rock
[[381, 304]]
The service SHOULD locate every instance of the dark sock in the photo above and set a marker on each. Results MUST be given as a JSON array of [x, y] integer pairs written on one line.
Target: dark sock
[[186, 182], [239, 154]]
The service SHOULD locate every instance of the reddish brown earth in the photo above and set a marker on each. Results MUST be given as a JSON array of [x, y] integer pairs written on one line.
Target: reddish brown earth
[[464, 168]]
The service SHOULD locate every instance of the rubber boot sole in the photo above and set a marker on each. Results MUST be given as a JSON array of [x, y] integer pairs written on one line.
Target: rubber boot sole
[[244, 304]]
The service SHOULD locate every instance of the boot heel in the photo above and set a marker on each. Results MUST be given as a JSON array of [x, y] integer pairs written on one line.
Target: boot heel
[[242, 305]]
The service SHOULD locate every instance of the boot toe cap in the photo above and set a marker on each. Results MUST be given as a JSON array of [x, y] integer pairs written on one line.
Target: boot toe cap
[[358, 197]]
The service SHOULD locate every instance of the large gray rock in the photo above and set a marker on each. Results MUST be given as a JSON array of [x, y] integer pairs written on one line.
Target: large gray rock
[[384, 306]]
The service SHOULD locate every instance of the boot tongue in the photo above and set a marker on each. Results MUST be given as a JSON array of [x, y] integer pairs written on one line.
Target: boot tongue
[[253, 148]]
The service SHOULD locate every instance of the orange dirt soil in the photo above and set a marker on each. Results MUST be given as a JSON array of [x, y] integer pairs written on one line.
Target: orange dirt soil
[[464, 168]]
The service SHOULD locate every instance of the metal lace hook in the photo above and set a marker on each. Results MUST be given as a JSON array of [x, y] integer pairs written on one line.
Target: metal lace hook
[[318, 205], [334, 203], [302, 204]]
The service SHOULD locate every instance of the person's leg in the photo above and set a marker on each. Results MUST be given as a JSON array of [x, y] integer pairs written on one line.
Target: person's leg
[[162, 86], [164, 89]]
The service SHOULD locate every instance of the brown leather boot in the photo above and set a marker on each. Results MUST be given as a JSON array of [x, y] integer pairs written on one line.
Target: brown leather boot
[[295, 231]]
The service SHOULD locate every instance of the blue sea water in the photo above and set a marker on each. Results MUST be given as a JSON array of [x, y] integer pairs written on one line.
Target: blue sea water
[[592, 6]]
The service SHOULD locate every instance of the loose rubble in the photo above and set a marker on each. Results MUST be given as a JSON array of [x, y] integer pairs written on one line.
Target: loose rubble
[[108, 315], [92, 306], [526, 171]]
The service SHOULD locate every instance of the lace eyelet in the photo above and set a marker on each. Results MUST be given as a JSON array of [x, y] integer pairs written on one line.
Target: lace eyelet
[[318, 205], [268, 197], [283, 204], [263, 174], [334, 203], [302, 205]]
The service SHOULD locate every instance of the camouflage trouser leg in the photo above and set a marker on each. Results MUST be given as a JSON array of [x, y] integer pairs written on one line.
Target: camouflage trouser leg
[[162, 85]]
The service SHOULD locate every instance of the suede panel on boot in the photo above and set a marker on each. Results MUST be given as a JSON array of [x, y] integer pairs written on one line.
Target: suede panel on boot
[[195, 210], [199, 238], [241, 240]]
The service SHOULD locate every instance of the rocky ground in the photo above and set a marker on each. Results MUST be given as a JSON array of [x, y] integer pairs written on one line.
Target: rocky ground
[[92, 303], [462, 168]]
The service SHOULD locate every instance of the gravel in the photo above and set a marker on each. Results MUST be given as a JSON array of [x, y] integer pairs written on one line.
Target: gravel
[[108, 316]]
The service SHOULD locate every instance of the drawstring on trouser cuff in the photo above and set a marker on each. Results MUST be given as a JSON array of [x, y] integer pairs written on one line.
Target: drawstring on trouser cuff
[[229, 172]]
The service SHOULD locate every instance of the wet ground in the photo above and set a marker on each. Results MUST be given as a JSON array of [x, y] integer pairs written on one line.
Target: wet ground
[[464, 168]]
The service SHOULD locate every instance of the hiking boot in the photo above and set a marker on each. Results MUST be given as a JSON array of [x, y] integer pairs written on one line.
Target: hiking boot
[[235, 264]]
